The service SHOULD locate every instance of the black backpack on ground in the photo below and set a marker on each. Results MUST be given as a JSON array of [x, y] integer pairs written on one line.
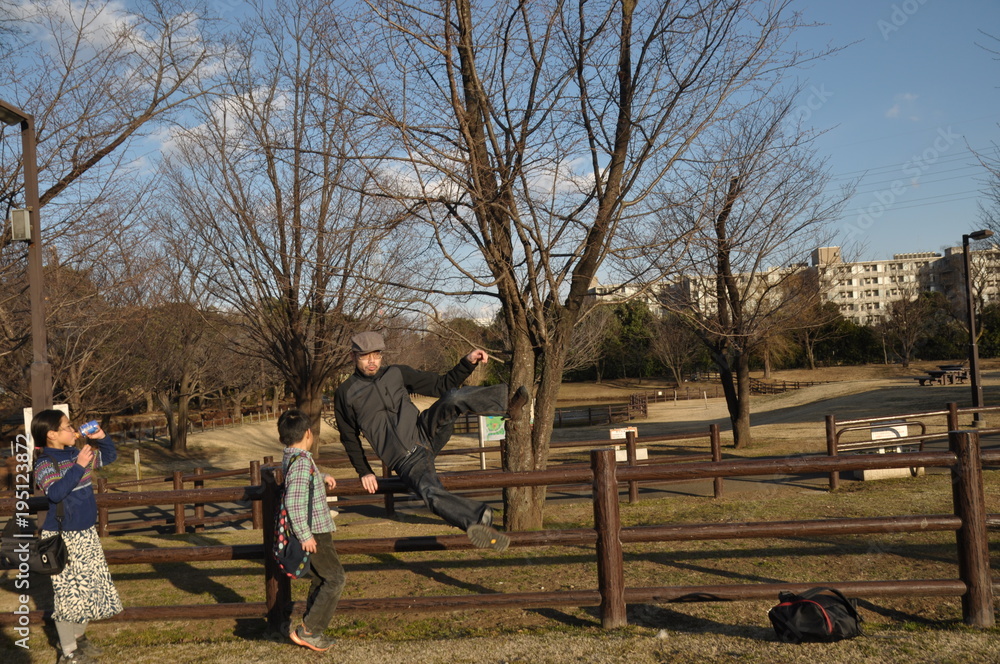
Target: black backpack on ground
[[819, 614]]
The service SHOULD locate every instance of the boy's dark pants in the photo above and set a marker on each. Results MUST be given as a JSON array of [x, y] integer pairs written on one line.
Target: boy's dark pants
[[327, 584]]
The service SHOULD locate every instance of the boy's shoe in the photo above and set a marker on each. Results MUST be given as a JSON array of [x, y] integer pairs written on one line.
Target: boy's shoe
[[84, 645], [75, 657], [487, 537], [517, 403], [318, 642]]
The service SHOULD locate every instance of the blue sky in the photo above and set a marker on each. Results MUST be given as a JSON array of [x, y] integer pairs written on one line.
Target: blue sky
[[904, 108]]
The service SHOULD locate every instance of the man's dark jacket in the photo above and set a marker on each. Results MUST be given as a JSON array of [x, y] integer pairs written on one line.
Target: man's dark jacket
[[379, 408]]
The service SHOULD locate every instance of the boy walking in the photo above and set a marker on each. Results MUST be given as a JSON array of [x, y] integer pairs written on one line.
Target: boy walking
[[312, 524]]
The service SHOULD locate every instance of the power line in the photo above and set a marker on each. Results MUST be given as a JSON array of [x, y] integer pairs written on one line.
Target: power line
[[920, 202], [898, 166]]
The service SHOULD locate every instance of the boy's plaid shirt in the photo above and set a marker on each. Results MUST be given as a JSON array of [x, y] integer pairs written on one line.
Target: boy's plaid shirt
[[297, 494]]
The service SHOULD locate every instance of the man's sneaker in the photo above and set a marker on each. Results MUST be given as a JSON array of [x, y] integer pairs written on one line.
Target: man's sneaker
[[84, 645], [487, 537], [75, 657], [517, 403], [487, 518], [318, 642]]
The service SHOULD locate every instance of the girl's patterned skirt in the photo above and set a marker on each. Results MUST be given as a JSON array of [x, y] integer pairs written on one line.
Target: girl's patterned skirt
[[84, 590]]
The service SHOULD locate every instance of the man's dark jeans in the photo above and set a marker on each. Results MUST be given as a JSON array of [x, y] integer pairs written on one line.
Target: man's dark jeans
[[436, 425]]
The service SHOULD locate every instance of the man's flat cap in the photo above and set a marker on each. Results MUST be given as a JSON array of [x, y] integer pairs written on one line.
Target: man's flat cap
[[367, 342]]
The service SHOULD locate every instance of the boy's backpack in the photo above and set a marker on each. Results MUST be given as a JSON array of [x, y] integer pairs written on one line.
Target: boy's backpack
[[819, 614], [288, 552]]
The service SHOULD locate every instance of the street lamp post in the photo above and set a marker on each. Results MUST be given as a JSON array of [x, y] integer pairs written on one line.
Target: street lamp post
[[977, 388], [41, 372]]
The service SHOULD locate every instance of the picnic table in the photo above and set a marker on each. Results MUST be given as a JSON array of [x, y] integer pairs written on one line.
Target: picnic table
[[945, 374]]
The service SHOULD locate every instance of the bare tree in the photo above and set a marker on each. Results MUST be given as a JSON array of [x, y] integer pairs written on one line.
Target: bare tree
[[589, 333], [812, 319], [95, 329], [530, 134], [674, 344], [762, 207], [906, 322], [264, 200], [186, 349], [98, 78], [816, 324]]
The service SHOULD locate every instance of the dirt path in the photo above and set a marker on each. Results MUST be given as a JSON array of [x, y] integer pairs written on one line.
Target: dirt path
[[783, 423]]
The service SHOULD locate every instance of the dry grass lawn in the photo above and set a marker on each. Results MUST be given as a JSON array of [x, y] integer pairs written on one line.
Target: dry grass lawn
[[912, 630]]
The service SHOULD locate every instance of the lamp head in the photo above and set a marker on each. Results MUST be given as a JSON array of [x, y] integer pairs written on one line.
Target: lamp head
[[980, 235], [9, 115]]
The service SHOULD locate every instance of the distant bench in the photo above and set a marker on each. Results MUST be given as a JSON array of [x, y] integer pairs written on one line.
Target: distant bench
[[944, 375]]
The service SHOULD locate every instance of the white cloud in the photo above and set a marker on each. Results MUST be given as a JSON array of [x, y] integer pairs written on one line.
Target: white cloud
[[904, 106], [98, 24]]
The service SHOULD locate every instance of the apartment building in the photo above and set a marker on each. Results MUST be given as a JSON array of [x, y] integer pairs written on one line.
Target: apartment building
[[862, 289]]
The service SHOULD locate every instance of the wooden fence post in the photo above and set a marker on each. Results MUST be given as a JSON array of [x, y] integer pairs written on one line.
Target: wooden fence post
[[973, 544], [952, 416], [713, 434], [179, 526], [831, 448], [607, 522], [633, 485], [102, 511], [256, 510], [277, 586], [199, 508]]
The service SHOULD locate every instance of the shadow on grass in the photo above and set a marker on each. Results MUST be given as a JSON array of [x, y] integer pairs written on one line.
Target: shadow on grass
[[195, 581], [656, 617], [430, 570], [10, 652]]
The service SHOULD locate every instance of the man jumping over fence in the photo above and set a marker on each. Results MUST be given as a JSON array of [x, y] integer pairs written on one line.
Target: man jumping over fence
[[375, 402]]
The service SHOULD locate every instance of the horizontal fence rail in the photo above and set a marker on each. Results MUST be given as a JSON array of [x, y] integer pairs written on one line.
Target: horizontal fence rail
[[974, 585], [947, 419]]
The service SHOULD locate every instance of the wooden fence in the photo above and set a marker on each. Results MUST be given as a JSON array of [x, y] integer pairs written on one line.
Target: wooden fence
[[758, 386], [637, 407], [179, 518], [968, 520], [139, 431], [947, 420]]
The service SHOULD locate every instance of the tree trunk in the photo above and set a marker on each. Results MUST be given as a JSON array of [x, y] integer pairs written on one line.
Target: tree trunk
[[736, 388], [741, 422], [178, 437], [309, 399], [767, 364], [166, 407], [810, 354], [178, 428], [519, 509]]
